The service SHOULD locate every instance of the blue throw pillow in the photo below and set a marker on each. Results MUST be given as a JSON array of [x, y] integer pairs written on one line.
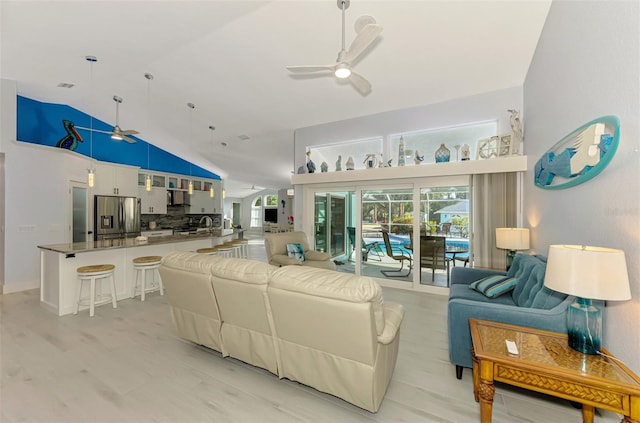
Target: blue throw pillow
[[295, 251], [494, 286]]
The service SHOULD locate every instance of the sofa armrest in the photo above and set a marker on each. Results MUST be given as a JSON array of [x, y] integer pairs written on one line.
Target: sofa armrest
[[460, 310], [316, 255], [466, 275], [393, 315], [284, 260]]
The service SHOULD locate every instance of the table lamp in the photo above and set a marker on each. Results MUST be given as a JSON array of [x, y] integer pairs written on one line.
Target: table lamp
[[588, 273], [512, 239]]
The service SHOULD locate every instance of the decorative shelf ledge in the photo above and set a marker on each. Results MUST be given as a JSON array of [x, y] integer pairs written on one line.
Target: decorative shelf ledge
[[469, 167]]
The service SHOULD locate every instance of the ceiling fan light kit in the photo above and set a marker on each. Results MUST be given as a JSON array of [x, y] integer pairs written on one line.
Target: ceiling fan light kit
[[367, 31]]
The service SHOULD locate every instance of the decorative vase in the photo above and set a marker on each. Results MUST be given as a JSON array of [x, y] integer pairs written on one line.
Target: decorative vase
[[443, 154], [324, 167], [350, 165], [339, 164]]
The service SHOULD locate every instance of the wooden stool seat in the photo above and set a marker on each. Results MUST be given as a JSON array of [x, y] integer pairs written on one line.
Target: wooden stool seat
[[140, 266], [96, 268], [92, 273], [208, 250], [148, 260]]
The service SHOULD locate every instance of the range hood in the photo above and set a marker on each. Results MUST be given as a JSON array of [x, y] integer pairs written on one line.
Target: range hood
[[177, 198]]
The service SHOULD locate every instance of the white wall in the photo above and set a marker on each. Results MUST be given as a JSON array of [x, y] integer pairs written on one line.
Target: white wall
[[478, 108], [587, 65], [36, 198]]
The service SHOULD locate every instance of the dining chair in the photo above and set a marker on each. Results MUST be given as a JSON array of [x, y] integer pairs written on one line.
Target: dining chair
[[396, 253], [432, 255]]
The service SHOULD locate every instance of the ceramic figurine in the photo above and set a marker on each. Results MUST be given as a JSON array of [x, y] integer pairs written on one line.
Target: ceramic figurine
[[311, 166], [350, 165], [339, 164], [324, 167], [401, 152], [417, 158], [302, 170], [381, 162], [465, 152], [516, 128], [389, 162]]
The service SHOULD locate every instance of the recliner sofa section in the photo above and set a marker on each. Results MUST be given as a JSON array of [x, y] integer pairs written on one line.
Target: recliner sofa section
[[329, 330]]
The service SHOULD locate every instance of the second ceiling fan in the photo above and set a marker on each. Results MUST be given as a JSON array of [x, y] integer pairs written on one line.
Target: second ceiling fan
[[116, 133], [367, 30]]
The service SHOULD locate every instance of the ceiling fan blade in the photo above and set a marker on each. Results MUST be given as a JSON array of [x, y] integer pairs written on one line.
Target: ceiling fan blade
[[129, 140], [360, 83], [93, 130], [129, 132], [310, 68], [363, 40]]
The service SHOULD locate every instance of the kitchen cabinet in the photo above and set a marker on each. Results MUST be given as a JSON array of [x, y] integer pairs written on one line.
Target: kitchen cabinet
[[200, 203], [113, 179], [157, 180], [154, 201]]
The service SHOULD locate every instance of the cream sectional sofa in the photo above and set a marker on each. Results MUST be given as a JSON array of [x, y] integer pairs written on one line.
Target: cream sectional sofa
[[329, 330]]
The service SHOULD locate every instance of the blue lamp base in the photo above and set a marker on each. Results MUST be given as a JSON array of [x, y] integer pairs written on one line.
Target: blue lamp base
[[584, 326], [510, 256]]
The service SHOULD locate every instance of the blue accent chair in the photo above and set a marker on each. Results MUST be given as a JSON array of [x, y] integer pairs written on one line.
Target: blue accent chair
[[529, 304]]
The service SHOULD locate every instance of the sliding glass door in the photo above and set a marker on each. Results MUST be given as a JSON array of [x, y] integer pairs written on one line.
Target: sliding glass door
[[331, 221]]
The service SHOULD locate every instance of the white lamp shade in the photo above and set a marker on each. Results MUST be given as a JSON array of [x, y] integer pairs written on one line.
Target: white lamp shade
[[588, 272], [512, 238]]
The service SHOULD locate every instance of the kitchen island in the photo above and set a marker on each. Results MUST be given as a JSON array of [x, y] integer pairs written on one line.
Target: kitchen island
[[58, 262]]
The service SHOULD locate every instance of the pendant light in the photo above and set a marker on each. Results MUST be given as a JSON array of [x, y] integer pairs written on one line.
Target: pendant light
[[147, 182], [91, 172], [190, 106], [211, 190]]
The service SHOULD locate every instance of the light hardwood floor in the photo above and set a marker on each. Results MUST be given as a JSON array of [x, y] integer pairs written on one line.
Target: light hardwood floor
[[127, 365]]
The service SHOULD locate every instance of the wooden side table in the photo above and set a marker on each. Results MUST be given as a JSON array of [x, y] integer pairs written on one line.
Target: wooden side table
[[545, 363]]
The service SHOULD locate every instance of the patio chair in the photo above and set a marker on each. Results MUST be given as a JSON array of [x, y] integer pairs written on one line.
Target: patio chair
[[446, 228], [432, 255], [367, 248], [396, 253]]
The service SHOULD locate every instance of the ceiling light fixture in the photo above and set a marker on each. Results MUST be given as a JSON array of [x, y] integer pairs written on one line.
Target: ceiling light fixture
[[147, 182], [91, 173], [211, 190], [191, 106], [342, 71]]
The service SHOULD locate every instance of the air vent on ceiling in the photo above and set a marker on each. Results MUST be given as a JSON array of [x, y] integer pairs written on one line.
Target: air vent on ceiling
[[65, 85]]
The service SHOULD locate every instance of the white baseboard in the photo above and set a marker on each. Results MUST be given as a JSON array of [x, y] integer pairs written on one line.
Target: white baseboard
[[9, 288]]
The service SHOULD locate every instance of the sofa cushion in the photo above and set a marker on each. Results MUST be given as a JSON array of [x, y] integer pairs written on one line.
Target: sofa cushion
[[530, 291], [494, 286], [330, 284], [248, 271], [462, 292], [294, 250]]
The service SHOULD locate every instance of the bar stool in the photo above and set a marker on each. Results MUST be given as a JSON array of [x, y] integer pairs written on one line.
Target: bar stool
[[235, 248], [244, 247], [212, 251], [224, 250], [141, 265], [92, 273]]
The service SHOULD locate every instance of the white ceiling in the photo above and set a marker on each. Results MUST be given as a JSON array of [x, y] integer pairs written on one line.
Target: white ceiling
[[229, 58]]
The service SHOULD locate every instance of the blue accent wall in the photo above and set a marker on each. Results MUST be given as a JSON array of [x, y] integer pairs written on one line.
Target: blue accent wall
[[42, 123]]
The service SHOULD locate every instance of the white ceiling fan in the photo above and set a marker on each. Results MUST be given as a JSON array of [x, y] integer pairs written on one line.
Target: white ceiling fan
[[116, 133], [367, 30]]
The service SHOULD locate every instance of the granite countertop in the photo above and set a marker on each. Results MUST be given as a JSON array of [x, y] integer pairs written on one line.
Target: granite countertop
[[107, 244]]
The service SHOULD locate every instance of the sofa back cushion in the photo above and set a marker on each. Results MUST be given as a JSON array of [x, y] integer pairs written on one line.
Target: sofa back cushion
[[530, 290], [194, 309]]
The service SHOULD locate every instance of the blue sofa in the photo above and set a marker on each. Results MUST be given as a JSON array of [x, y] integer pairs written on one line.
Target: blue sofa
[[529, 304]]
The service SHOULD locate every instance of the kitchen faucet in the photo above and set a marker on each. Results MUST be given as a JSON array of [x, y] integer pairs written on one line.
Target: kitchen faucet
[[208, 221]]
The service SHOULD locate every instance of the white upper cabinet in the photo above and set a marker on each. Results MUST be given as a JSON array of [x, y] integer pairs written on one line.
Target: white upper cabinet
[[113, 179], [154, 201], [201, 202]]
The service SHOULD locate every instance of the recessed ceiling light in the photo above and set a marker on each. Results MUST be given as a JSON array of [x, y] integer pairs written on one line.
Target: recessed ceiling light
[[243, 137], [224, 144], [65, 85]]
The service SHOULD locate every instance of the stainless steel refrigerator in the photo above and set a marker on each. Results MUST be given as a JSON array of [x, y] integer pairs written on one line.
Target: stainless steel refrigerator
[[116, 217]]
